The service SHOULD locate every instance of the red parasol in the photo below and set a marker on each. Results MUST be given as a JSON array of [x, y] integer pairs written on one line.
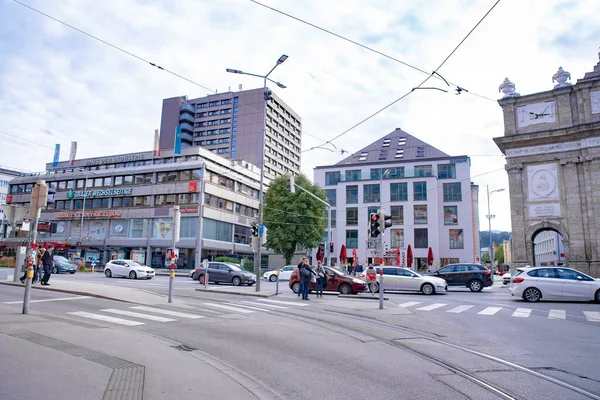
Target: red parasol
[[343, 255], [430, 257], [354, 257], [409, 256], [397, 257]]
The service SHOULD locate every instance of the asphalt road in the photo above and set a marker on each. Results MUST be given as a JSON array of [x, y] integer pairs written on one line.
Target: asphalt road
[[453, 346]]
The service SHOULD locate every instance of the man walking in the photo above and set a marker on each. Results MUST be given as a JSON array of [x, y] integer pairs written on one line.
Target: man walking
[[48, 264]]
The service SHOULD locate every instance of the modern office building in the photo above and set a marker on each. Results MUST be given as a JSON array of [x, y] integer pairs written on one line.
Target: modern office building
[[111, 207], [232, 125], [6, 175], [427, 192]]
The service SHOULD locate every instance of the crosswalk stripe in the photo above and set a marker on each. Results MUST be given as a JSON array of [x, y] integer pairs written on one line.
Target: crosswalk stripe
[[490, 310], [460, 309], [557, 314], [522, 312], [431, 307], [47, 300], [245, 306], [592, 316], [230, 308], [264, 305], [138, 315], [409, 304], [106, 318], [285, 303], [167, 312]]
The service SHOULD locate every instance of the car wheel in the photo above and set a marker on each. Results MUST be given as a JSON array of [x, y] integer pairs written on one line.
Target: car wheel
[[55, 270], [107, 273], [598, 297], [201, 279], [374, 287], [132, 275], [345, 289], [236, 281], [428, 289], [532, 295], [296, 287], [273, 278], [475, 285]]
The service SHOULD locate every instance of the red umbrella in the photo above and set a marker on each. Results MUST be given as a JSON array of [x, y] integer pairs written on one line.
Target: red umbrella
[[354, 257], [397, 257], [343, 256], [430, 257], [409, 256]]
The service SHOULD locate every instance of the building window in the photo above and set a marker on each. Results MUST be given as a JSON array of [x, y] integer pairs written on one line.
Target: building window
[[450, 215], [420, 214], [456, 239], [96, 203], [118, 181], [398, 191], [127, 201], [353, 175], [421, 241], [332, 178], [62, 185], [330, 195], [70, 184], [128, 180], [98, 182], [452, 192], [397, 236], [351, 194], [352, 216], [80, 183], [333, 218], [217, 230], [118, 228], [161, 177], [423, 170], [351, 239], [242, 234], [371, 194], [106, 203], [141, 201], [397, 215], [184, 198], [185, 175], [60, 205], [108, 181], [188, 227], [447, 171], [419, 191]]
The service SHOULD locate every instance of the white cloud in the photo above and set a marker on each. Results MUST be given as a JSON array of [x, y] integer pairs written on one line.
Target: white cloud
[[58, 80]]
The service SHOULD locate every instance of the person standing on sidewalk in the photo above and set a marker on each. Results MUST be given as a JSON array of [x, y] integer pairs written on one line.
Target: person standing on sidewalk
[[306, 273], [320, 278], [300, 265], [48, 264], [37, 269]]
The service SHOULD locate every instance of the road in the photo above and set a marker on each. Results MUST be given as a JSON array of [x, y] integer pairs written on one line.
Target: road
[[454, 346]]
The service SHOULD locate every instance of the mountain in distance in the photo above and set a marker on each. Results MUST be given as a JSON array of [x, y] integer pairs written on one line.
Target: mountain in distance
[[497, 237]]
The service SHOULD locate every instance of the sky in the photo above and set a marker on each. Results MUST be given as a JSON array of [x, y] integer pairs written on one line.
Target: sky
[[58, 85]]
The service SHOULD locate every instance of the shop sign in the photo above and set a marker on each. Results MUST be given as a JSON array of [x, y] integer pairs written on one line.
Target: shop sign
[[116, 159], [188, 209], [192, 187], [88, 214], [71, 194]]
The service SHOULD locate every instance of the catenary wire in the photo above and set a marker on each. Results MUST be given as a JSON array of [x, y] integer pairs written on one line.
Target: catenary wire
[[25, 140]]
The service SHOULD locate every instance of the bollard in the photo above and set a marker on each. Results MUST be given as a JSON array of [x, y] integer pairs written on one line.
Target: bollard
[[171, 277], [381, 287]]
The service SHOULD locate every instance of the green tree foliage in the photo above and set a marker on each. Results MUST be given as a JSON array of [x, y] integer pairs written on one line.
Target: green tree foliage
[[293, 218], [485, 257], [227, 259], [499, 255]]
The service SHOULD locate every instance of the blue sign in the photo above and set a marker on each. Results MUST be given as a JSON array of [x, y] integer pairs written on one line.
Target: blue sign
[[177, 140], [261, 230], [56, 155]]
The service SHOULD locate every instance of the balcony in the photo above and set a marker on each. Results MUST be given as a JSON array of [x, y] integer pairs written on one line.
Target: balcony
[[187, 107], [186, 117], [187, 137], [187, 127]]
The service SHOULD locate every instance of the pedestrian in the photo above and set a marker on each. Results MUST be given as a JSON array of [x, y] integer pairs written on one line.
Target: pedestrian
[[321, 277], [48, 264], [359, 269], [37, 269], [306, 273], [300, 265]]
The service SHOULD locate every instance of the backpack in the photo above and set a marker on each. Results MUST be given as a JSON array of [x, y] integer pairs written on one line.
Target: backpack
[[305, 272]]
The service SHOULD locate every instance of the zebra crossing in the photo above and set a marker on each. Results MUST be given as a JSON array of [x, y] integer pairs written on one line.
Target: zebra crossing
[[590, 316], [140, 315]]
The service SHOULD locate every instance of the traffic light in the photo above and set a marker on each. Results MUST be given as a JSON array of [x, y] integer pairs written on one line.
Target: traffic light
[[321, 252], [255, 230], [375, 224], [386, 220], [331, 247], [291, 184]]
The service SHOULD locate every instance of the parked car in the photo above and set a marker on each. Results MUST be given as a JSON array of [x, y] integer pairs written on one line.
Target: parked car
[[404, 279], [338, 282], [128, 268], [474, 276], [553, 283], [221, 272], [506, 278], [62, 264], [284, 273]]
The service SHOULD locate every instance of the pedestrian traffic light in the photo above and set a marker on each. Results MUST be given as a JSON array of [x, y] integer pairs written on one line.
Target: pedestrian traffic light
[[386, 220], [321, 252], [291, 184], [331, 247], [375, 224], [255, 230]]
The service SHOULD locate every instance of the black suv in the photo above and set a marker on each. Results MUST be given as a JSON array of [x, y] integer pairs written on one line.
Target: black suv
[[473, 276]]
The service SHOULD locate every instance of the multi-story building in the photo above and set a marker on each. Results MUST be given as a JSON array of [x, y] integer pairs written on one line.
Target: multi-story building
[[5, 176], [232, 125], [428, 194], [548, 249], [111, 207]]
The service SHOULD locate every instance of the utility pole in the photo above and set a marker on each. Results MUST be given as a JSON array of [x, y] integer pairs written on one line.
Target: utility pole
[[176, 222], [39, 199]]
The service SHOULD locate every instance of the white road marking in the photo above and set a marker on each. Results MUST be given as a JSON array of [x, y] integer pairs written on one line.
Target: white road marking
[[245, 306], [522, 313], [592, 316], [409, 304], [138, 315], [285, 303], [431, 307], [46, 300], [490, 311], [230, 308], [460, 309], [264, 305], [557, 314], [167, 312], [106, 318]]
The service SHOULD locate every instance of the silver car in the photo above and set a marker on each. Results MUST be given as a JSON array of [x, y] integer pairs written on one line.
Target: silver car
[[404, 279]]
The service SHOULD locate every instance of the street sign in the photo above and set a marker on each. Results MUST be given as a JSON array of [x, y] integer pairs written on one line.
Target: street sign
[[163, 227], [14, 213]]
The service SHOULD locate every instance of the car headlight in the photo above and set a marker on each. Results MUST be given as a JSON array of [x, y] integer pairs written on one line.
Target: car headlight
[[354, 280], [141, 271]]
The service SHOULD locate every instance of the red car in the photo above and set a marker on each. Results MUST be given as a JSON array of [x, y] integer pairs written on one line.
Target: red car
[[338, 282]]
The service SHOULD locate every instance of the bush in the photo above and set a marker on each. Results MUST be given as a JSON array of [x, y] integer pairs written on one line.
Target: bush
[[227, 259], [7, 262]]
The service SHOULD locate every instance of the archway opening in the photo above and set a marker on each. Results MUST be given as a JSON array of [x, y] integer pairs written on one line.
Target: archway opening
[[548, 248]]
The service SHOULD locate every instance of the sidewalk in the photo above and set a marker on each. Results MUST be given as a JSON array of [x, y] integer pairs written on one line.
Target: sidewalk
[[57, 359]]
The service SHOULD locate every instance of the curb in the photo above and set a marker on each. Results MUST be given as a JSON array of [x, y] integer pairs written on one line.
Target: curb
[[254, 294], [99, 296], [353, 296]]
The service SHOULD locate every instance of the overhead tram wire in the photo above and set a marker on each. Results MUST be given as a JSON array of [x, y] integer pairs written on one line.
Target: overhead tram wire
[[25, 140], [367, 47], [113, 46]]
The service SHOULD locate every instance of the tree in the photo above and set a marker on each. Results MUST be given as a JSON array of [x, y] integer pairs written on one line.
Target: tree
[[499, 255], [293, 219], [485, 257]]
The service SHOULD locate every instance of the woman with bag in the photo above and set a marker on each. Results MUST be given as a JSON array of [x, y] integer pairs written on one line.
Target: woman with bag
[[321, 277], [306, 273]]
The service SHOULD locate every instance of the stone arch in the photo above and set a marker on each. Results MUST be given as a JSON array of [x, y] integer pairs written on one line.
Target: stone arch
[[542, 226]]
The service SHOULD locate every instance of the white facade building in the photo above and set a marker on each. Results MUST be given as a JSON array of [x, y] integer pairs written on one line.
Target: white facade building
[[6, 175], [548, 248], [427, 192]]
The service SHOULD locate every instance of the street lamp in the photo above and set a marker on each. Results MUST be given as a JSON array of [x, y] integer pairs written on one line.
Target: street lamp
[[267, 95], [489, 217]]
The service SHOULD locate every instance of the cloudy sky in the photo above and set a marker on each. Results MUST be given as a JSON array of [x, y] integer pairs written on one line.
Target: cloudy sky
[[58, 85]]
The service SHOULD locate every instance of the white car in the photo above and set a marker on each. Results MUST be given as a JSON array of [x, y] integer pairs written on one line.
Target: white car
[[284, 273], [404, 279], [553, 283], [506, 278], [128, 268]]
